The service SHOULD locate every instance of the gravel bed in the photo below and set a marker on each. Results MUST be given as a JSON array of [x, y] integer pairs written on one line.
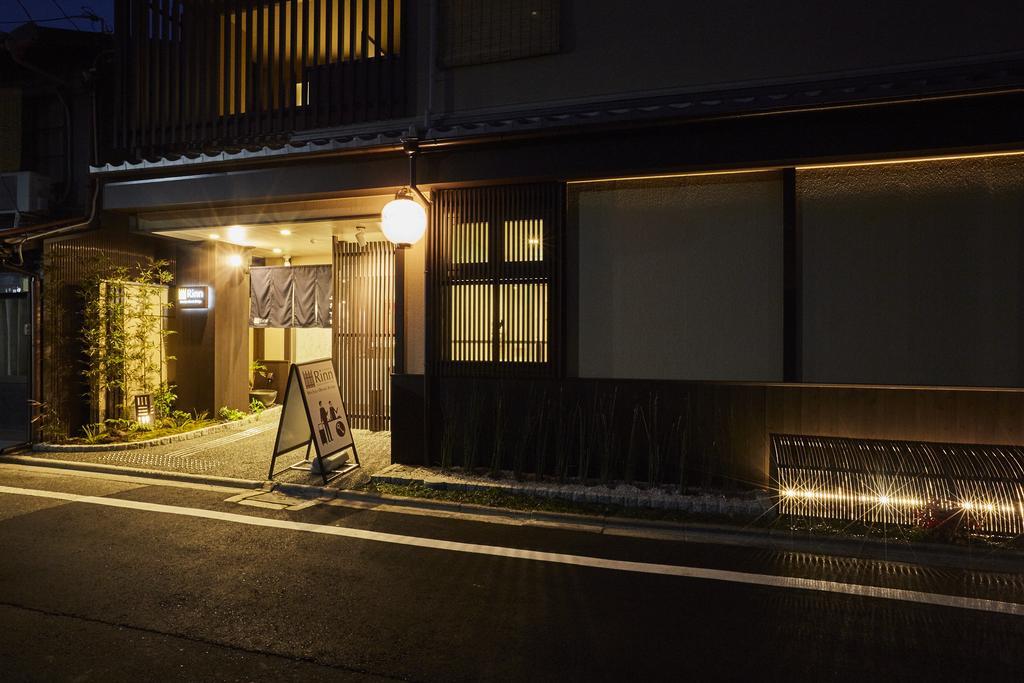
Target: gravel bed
[[749, 503]]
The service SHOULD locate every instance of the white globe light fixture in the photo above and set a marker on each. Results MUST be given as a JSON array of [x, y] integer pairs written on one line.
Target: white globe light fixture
[[403, 220]]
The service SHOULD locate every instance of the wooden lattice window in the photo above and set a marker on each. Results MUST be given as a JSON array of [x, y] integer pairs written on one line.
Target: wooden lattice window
[[495, 295]]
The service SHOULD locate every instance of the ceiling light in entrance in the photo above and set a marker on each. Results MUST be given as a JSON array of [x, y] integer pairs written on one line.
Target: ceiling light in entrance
[[286, 232], [213, 236], [236, 233]]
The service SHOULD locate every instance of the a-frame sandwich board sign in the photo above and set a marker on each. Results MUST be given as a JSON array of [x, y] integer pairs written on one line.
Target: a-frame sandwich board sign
[[313, 415]]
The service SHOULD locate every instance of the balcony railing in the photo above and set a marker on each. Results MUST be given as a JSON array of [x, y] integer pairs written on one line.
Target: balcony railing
[[202, 74]]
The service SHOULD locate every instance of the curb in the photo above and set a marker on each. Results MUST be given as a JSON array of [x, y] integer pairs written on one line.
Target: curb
[[161, 441], [920, 554], [132, 471]]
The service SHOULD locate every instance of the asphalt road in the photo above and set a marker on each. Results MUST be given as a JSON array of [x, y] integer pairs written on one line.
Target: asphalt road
[[164, 582]]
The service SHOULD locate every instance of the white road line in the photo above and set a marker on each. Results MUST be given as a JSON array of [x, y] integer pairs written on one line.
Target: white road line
[[769, 580]]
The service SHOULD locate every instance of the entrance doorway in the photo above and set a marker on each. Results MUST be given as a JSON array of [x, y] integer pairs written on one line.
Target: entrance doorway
[[351, 320], [15, 359]]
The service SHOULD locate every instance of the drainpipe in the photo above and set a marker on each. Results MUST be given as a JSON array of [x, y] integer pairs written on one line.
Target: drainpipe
[[60, 230]]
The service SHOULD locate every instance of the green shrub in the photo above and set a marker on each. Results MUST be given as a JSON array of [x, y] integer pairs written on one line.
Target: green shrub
[[118, 332], [118, 425], [94, 433], [256, 406], [230, 414], [48, 421], [164, 398], [180, 418]]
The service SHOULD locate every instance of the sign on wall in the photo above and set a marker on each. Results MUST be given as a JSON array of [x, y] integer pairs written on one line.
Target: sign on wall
[[193, 296], [314, 415]]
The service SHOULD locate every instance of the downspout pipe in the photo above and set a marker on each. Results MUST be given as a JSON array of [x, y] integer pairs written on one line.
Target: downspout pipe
[[60, 230]]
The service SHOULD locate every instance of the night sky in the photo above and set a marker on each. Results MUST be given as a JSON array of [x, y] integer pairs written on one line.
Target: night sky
[[48, 13]]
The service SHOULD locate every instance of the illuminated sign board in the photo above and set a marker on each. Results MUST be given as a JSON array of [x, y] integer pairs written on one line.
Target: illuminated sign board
[[193, 297]]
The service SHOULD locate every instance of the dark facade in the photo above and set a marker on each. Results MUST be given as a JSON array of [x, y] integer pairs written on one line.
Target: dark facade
[[51, 81], [657, 236]]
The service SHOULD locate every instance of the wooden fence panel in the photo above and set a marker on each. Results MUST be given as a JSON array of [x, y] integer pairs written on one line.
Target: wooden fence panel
[[364, 325]]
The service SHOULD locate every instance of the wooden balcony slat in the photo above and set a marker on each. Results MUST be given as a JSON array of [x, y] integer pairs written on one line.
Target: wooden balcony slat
[[211, 74]]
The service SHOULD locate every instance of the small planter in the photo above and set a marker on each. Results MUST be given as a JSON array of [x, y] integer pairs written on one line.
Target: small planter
[[264, 396]]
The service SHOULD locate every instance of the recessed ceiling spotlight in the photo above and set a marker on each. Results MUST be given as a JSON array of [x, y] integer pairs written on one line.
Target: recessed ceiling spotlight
[[213, 236], [277, 250], [236, 232], [286, 232]]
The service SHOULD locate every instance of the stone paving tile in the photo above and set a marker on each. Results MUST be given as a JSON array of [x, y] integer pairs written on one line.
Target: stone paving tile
[[243, 453]]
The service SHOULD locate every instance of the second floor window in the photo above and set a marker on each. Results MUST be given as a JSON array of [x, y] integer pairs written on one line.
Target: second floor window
[[270, 53]]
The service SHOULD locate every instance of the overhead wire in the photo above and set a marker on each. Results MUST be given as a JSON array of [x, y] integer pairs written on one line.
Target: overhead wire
[[61, 10], [25, 10]]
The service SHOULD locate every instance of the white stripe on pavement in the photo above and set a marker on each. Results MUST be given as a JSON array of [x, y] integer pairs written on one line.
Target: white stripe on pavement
[[773, 581]]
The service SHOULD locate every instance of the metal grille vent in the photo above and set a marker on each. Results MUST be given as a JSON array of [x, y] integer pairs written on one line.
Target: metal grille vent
[[898, 482]]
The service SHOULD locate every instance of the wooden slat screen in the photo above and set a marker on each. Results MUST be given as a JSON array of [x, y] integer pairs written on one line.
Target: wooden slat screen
[[202, 74], [66, 266], [364, 329], [495, 295]]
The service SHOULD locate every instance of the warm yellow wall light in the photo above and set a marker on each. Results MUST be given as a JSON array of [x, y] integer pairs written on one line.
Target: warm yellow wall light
[[403, 220]]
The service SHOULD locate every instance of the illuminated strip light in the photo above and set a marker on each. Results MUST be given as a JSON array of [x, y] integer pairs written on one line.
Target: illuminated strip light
[[669, 176], [805, 167], [911, 160]]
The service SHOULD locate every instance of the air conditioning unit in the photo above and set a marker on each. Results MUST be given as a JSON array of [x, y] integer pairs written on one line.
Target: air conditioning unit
[[24, 192]]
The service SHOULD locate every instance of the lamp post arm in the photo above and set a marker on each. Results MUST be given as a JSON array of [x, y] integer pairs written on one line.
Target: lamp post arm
[[412, 147]]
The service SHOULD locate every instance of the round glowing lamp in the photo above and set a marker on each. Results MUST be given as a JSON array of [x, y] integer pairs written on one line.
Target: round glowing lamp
[[235, 260], [403, 220]]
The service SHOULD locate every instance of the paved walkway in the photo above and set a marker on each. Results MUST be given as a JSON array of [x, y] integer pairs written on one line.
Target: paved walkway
[[242, 453]]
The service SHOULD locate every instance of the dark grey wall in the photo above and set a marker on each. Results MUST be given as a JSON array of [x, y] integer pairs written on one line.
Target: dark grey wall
[[681, 279], [914, 273], [612, 47]]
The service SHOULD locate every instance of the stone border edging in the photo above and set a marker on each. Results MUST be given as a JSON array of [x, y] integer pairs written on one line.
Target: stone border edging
[[161, 441]]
